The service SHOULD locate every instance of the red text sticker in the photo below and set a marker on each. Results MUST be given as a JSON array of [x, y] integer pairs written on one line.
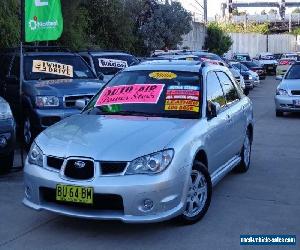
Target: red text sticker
[[126, 94]]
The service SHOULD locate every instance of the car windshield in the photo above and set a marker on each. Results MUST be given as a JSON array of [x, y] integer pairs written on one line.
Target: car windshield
[[112, 64], [243, 57], [171, 94], [250, 64], [210, 57], [294, 72], [240, 66], [51, 67]]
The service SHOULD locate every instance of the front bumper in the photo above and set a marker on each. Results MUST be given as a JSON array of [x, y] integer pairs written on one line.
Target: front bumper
[[165, 192], [7, 131], [286, 103]]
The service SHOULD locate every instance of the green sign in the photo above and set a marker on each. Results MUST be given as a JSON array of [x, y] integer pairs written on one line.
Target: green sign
[[43, 20]]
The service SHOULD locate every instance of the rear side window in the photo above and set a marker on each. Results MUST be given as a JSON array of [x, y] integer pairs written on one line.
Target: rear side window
[[230, 91], [214, 90]]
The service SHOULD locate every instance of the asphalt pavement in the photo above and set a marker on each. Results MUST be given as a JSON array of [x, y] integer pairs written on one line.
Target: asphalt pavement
[[265, 200]]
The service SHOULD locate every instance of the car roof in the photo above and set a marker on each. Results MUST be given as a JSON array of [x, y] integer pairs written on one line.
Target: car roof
[[174, 65], [50, 54], [101, 53], [178, 56], [266, 54]]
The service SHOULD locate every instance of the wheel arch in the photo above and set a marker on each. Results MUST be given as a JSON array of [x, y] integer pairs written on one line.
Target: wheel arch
[[201, 156]]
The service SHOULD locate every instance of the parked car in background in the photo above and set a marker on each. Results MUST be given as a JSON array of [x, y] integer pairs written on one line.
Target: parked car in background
[[251, 78], [262, 73], [287, 98], [7, 137], [51, 85], [206, 56], [168, 132], [283, 66], [108, 63], [188, 57], [241, 57], [277, 56], [292, 56], [267, 61]]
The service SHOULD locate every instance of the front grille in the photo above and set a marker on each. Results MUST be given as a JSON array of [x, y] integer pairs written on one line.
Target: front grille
[[54, 162], [71, 100], [80, 169], [111, 168], [295, 92], [100, 201]]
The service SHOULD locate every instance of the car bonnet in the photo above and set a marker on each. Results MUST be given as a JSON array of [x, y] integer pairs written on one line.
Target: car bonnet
[[110, 138]]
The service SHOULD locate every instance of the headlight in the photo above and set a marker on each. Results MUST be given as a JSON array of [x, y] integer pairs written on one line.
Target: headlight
[[35, 156], [47, 101], [5, 111], [250, 77], [281, 92], [151, 164]]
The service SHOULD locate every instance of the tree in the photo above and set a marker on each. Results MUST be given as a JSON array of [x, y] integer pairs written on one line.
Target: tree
[[273, 12], [217, 41], [9, 23], [236, 12], [263, 12], [166, 27], [76, 24], [296, 11]]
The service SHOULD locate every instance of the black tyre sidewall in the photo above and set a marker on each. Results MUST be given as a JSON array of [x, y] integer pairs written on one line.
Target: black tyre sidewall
[[191, 220], [242, 168]]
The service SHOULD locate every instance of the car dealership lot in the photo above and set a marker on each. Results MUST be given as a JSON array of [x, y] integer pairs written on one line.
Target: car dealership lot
[[265, 200]]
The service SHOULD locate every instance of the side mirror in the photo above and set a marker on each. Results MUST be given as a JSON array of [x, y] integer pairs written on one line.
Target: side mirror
[[101, 76], [213, 109], [81, 103], [280, 77]]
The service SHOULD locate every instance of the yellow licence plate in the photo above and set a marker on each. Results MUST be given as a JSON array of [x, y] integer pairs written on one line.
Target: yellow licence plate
[[74, 194]]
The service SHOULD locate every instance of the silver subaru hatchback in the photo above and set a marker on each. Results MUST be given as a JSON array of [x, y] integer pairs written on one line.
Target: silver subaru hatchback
[[147, 148]]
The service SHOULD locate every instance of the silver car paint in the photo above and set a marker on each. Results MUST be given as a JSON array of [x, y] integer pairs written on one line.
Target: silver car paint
[[285, 103], [126, 138]]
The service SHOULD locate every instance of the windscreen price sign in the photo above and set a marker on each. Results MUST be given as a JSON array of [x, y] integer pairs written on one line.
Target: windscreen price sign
[[43, 20]]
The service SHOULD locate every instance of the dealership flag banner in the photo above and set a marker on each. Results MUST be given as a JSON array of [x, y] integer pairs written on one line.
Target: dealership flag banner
[[43, 20]]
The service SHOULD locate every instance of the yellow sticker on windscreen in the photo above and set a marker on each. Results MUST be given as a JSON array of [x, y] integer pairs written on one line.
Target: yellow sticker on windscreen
[[54, 68], [161, 75]]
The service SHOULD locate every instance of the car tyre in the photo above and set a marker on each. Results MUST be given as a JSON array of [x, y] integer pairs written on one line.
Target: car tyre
[[6, 163], [279, 113], [245, 155], [198, 196]]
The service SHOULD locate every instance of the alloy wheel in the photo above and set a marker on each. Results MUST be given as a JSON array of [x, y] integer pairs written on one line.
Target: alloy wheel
[[197, 194]]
